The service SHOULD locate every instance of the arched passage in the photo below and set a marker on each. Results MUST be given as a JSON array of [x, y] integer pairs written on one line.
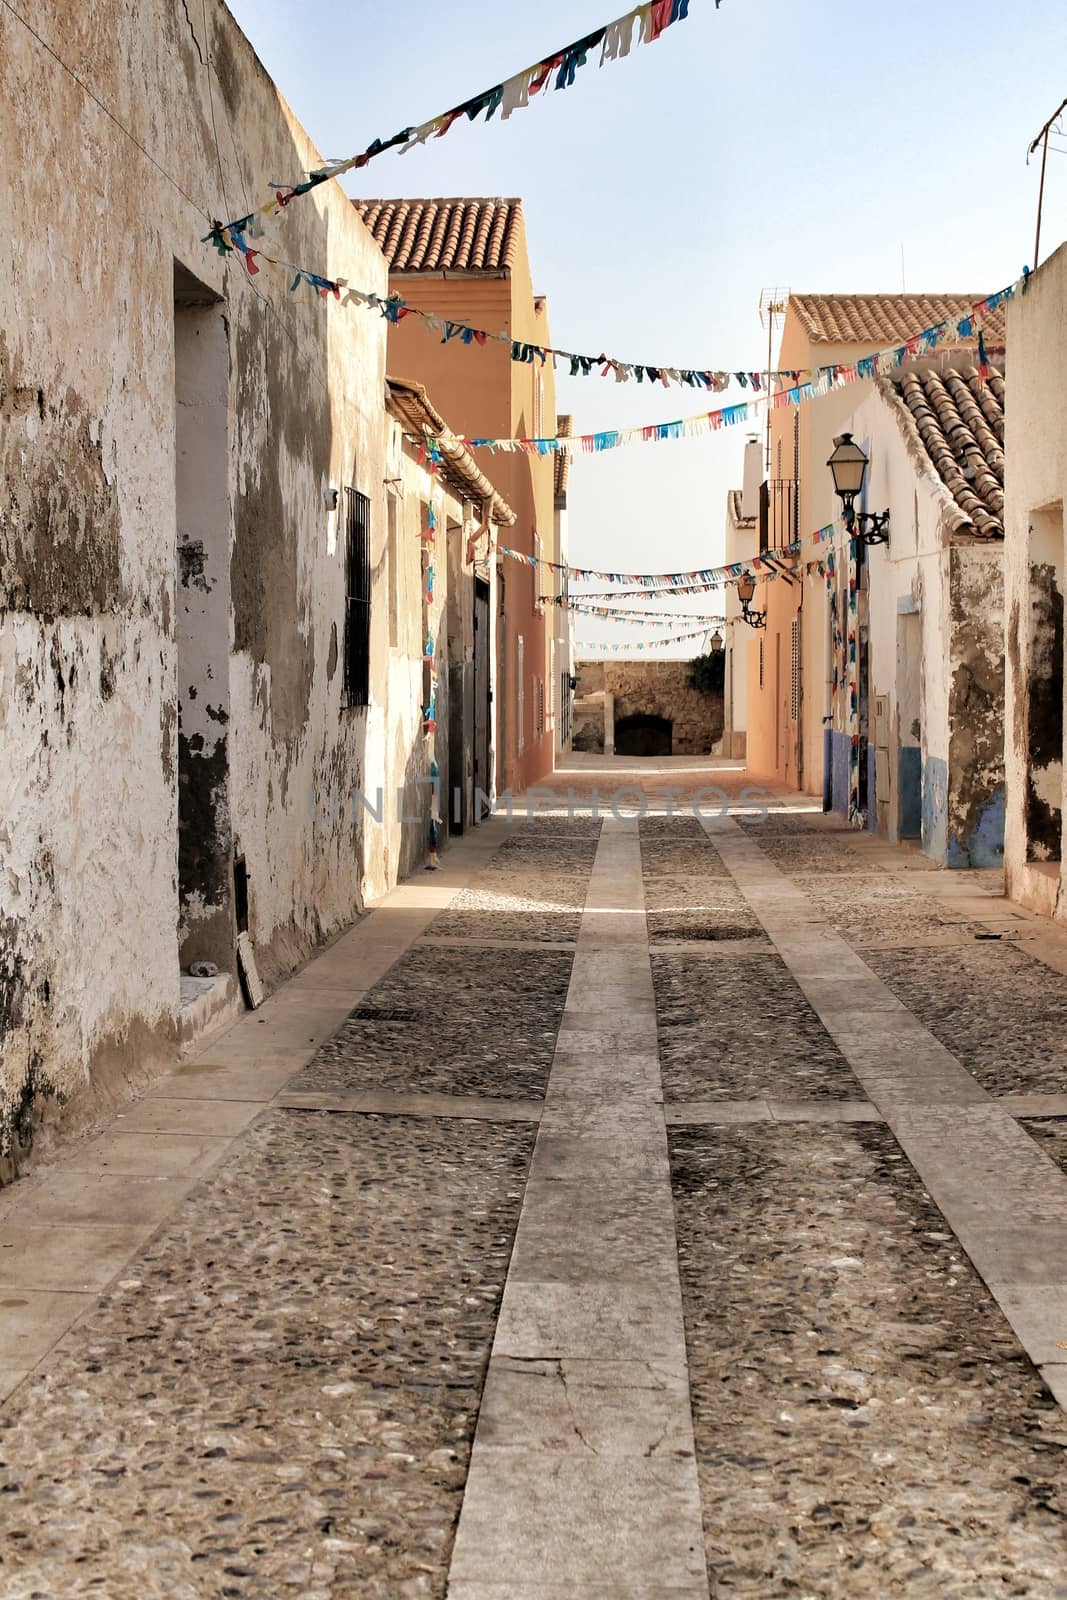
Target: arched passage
[[643, 735]]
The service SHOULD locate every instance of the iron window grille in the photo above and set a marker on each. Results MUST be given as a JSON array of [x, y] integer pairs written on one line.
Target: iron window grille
[[357, 599]]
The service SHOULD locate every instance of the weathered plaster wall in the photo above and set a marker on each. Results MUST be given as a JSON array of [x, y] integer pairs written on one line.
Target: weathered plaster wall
[[89, 574], [928, 660], [1035, 488], [976, 706], [659, 689]]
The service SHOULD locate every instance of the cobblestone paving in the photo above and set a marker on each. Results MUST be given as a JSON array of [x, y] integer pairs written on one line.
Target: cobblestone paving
[[279, 1397], [866, 1424], [1001, 1013], [782, 823], [1051, 1135], [277, 1400], [874, 907], [688, 892], [742, 1030], [533, 889], [797, 853], [471, 1022]]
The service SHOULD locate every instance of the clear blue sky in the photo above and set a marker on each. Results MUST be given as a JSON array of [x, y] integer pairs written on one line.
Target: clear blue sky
[[802, 143]]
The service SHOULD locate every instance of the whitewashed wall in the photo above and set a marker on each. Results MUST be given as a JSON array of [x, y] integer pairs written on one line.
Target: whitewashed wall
[[89, 978], [1035, 489]]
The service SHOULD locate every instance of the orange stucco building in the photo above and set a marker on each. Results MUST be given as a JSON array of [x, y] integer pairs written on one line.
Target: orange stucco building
[[466, 260]]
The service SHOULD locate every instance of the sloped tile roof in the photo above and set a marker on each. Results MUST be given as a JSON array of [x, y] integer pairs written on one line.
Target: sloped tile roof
[[444, 235], [564, 430], [958, 422], [885, 318], [412, 407]]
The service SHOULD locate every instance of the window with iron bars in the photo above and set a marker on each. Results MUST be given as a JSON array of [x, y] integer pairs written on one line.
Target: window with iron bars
[[357, 599], [794, 684]]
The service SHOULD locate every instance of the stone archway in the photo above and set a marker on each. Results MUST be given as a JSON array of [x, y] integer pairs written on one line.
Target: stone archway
[[643, 735]]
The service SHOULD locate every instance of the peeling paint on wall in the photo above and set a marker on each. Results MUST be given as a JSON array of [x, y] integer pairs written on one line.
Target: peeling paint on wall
[[59, 522], [975, 823], [283, 433], [96, 578]]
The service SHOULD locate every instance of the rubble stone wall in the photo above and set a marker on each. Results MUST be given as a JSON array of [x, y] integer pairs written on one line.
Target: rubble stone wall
[[657, 689]]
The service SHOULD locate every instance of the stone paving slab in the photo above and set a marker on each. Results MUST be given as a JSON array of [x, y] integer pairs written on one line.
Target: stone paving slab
[[383, 1103], [592, 1288], [216, 1118], [146, 1154], [93, 1199], [618, 1590], [208, 1080], [10, 1378], [1034, 1105], [33, 1320], [588, 1322], [56, 1257], [586, 1518], [596, 1408]]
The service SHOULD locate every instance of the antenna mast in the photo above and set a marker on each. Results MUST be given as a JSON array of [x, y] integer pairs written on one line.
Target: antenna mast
[[772, 304]]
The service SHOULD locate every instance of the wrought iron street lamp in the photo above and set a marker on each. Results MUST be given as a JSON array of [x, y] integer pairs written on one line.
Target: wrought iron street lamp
[[716, 642], [746, 588], [848, 463]]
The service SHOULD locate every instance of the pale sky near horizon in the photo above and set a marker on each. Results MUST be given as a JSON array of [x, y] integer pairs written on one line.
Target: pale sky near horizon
[[770, 142]]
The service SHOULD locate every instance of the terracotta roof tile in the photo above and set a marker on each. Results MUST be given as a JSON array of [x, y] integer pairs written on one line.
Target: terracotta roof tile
[[959, 423], [444, 235], [882, 318]]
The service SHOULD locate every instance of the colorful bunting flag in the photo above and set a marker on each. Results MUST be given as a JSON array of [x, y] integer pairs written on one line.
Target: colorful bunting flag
[[615, 39]]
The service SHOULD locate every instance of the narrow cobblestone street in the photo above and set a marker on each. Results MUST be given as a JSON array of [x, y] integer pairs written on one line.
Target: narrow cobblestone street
[[667, 1198]]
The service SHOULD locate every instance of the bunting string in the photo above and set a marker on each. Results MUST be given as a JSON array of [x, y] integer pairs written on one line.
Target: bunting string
[[640, 644], [654, 619], [614, 41], [795, 384], [696, 581]]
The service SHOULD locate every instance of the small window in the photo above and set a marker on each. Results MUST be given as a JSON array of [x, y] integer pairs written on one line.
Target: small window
[[539, 707], [357, 600], [392, 506]]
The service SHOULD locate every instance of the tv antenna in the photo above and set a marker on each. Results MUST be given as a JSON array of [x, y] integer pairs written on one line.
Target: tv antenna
[[772, 304]]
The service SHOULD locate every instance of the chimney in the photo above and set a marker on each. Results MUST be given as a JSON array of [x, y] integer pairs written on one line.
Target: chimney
[[753, 477]]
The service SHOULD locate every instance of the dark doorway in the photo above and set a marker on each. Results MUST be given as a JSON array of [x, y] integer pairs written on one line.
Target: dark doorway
[[206, 884], [483, 719], [1044, 704], [642, 735]]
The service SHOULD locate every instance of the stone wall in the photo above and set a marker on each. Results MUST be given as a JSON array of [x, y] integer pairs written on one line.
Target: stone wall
[[648, 688]]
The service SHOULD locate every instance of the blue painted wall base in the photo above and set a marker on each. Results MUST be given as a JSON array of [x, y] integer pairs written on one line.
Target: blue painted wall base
[[983, 845]]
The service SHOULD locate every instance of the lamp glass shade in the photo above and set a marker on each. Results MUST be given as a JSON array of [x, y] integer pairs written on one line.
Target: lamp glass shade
[[716, 640], [746, 587], [848, 465]]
